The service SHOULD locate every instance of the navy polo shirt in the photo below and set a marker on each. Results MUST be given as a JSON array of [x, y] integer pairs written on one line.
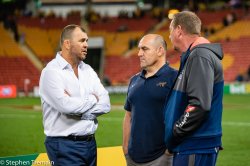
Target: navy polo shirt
[[145, 100]]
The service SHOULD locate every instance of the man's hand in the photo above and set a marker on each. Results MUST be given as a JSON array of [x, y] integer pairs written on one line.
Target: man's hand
[[96, 97], [168, 153], [88, 117], [125, 150], [67, 93]]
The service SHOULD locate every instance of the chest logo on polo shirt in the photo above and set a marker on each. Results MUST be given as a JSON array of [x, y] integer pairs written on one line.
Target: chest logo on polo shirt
[[161, 84]]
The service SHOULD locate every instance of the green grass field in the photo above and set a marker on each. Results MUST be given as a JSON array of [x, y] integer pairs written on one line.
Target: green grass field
[[21, 130]]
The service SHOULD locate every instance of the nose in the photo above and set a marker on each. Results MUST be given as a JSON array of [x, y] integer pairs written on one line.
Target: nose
[[140, 53], [85, 44]]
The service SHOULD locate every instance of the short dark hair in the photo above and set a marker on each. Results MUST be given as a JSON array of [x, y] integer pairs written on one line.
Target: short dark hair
[[67, 31]]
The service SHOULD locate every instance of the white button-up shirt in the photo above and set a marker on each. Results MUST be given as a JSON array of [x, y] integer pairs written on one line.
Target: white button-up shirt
[[62, 112]]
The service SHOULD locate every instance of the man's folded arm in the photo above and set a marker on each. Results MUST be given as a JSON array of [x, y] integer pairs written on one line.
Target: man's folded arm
[[52, 92]]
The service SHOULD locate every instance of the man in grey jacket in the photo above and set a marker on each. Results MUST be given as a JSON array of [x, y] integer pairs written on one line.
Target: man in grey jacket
[[193, 112]]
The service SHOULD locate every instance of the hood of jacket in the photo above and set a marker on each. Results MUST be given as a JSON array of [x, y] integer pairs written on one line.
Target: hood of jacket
[[216, 48]]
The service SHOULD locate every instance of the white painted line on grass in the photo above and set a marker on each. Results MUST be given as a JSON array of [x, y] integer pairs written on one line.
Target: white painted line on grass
[[14, 116], [117, 107], [236, 124], [110, 119]]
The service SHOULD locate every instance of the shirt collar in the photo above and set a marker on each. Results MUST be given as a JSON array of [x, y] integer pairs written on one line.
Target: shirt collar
[[81, 64], [64, 64], [61, 61], [158, 73]]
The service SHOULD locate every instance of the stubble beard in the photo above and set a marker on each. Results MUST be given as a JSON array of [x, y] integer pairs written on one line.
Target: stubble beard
[[78, 56], [177, 49]]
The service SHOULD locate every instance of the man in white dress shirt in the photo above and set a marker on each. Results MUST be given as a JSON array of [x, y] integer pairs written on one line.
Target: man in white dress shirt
[[72, 97]]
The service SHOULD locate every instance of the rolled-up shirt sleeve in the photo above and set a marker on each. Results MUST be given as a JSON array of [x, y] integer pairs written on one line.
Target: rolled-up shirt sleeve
[[52, 91]]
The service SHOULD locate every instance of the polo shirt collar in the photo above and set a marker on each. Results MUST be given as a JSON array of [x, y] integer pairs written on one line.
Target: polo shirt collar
[[158, 73]]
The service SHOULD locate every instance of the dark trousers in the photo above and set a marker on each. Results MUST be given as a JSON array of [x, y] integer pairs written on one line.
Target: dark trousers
[[63, 152], [195, 159]]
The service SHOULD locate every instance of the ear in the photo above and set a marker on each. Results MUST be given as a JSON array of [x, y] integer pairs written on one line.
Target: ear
[[66, 44], [160, 51], [179, 31]]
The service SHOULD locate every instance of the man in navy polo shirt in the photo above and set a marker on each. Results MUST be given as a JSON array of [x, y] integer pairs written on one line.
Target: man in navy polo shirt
[[143, 127]]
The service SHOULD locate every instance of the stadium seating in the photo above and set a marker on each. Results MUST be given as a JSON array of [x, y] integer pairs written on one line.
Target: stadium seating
[[120, 69], [239, 52], [14, 66], [38, 41], [124, 24], [14, 71], [235, 31], [48, 22], [8, 47], [210, 17], [44, 43]]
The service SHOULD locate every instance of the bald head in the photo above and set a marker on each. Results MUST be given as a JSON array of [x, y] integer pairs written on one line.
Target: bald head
[[155, 40]]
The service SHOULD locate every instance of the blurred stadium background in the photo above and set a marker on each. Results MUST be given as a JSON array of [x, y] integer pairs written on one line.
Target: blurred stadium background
[[29, 35]]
